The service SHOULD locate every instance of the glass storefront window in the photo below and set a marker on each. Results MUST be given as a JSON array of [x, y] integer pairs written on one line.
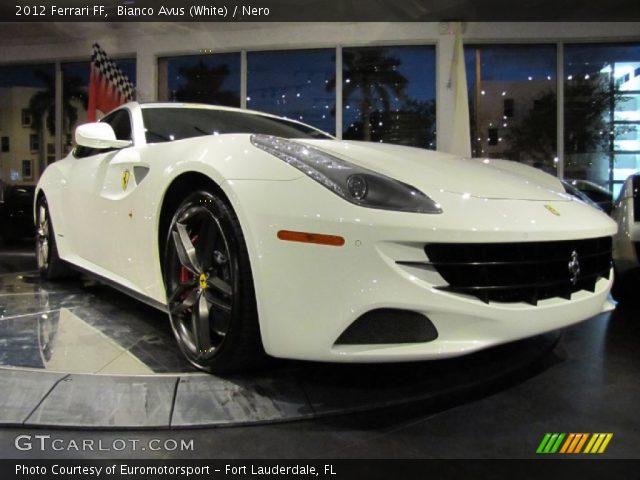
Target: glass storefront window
[[602, 113], [212, 79], [389, 95], [512, 103], [27, 120], [297, 84]]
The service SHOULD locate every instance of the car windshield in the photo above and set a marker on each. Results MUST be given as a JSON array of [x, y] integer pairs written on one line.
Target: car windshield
[[172, 123]]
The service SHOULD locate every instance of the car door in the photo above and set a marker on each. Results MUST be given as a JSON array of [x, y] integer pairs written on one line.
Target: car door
[[99, 189]]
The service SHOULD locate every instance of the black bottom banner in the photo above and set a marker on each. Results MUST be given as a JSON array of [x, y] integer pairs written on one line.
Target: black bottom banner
[[329, 469]]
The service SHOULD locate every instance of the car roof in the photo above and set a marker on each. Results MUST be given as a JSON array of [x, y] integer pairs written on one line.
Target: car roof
[[205, 106]]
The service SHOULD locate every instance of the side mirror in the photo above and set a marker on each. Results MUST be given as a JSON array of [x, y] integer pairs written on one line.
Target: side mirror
[[99, 135]]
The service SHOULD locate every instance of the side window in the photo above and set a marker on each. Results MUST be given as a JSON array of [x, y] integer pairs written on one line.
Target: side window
[[120, 121]]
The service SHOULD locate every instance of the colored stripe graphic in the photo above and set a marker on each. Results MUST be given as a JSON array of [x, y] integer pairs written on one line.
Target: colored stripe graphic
[[591, 442], [543, 443], [605, 443], [573, 443], [556, 445], [550, 443], [598, 443], [581, 443], [567, 443]]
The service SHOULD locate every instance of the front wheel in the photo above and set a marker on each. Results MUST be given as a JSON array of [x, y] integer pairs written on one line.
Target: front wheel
[[209, 286]]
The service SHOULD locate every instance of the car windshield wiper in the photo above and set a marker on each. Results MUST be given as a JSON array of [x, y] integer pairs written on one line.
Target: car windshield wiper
[[198, 129], [159, 135], [320, 135]]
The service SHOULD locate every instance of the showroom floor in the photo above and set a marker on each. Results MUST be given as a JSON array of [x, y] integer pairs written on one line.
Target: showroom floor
[[587, 382]]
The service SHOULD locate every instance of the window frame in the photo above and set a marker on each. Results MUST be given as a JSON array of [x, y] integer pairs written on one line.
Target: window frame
[[34, 141], [25, 114], [26, 163]]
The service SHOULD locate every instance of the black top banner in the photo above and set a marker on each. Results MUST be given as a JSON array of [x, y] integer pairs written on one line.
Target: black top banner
[[316, 10]]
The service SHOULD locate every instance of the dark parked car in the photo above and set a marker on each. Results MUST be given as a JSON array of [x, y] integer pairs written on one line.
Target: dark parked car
[[16, 212]]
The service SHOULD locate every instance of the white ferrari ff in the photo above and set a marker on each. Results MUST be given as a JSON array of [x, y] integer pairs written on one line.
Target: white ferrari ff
[[261, 234]]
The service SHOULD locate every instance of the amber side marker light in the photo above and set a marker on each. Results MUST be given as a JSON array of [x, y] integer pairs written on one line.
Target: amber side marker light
[[306, 237]]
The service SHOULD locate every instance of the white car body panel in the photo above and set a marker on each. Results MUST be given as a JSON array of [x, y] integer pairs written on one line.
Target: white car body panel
[[307, 294]]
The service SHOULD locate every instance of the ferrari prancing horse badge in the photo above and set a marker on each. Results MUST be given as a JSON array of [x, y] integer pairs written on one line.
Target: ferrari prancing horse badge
[[125, 179], [552, 210]]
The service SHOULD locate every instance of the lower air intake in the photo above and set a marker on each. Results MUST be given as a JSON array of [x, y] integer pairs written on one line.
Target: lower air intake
[[387, 326]]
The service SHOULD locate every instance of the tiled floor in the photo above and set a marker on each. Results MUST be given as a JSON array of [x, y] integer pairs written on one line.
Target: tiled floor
[[71, 327]]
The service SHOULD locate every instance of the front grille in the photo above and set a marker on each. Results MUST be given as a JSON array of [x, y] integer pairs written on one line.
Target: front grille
[[520, 272]]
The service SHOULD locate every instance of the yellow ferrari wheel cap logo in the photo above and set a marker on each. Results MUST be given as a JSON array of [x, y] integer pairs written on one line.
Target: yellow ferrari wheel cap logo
[[203, 280], [552, 210], [125, 179]]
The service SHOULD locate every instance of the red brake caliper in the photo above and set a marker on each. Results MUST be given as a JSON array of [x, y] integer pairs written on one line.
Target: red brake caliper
[[184, 275]]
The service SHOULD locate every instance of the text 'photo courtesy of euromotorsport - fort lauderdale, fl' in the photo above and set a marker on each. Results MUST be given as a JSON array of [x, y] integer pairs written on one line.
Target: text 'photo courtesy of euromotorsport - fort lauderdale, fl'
[[304, 238]]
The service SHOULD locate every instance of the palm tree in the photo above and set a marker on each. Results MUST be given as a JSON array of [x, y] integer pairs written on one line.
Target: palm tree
[[42, 106], [589, 104], [203, 85], [373, 75]]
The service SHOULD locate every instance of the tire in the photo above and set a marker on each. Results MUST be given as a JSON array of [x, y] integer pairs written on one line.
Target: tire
[[209, 286], [50, 266]]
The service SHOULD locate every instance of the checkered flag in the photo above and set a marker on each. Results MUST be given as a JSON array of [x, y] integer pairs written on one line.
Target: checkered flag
[[108, 86]]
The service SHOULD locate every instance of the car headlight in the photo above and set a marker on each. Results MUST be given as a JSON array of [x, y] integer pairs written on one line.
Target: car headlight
[[355, 184]]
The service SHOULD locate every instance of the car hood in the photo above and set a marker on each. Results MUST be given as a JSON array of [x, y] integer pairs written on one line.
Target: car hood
[[432, 171]]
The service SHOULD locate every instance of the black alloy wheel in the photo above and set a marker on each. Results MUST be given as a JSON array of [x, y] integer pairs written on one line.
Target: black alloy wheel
[[209, 286]]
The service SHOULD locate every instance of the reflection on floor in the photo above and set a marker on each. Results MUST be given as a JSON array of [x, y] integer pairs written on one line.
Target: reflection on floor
[[82, 328], [66, 339]]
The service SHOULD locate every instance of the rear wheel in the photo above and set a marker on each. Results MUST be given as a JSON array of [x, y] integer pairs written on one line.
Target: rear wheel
[[209, 286], [50, 265]]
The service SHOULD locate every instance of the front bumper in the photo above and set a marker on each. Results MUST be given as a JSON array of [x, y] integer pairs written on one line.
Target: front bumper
[[308, 295]]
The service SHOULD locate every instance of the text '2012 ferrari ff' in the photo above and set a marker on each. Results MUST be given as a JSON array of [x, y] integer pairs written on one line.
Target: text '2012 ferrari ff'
[[259, 234]]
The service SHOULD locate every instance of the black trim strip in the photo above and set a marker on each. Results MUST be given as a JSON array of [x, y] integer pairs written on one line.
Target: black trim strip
[[522, 286], [127, 291], [427, 263]]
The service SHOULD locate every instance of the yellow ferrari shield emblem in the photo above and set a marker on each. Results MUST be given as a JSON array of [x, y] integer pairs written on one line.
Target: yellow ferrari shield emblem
[[552, 210], [203, 280], [125, 179]]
